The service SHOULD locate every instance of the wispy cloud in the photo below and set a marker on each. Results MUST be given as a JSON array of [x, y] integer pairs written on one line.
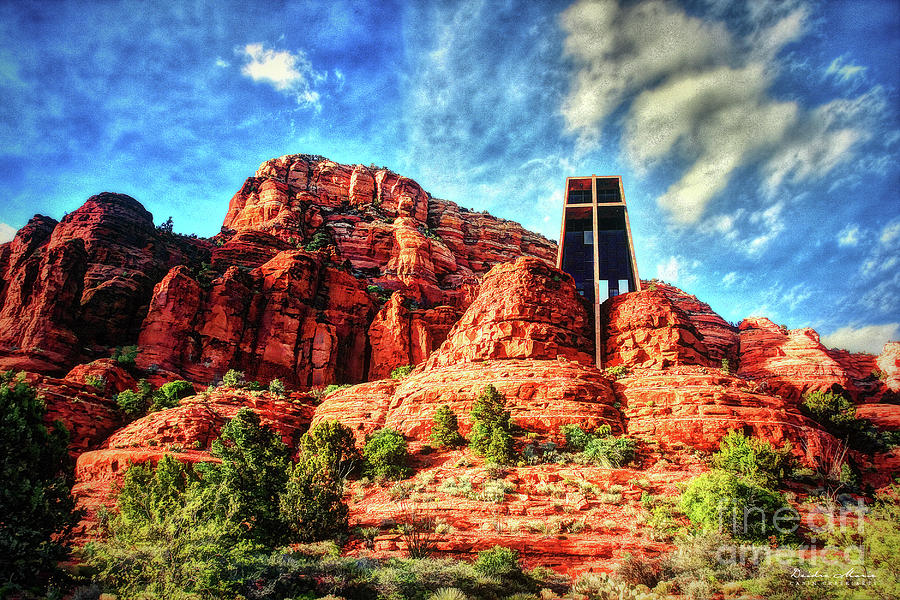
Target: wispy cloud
[[678, 270], [849, 236], [695, 98], [7, 232], [863, 338], [287, 72], [843, 72]]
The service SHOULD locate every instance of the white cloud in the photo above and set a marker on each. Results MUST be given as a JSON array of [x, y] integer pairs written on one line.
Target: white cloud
[[289, 73], [7, 233], [697, 96], [890, 233], [677, 270], [849, 236], [843, 72], [222, 63], [865, 338], [729, 278]]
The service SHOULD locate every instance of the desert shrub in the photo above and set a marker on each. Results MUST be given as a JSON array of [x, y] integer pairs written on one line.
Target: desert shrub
[[336, 444], [168, 395], [319, 240], [321, 393], [37, 511], [879, 374], [402, 372], [610, 451], [495, 490], [251, 477], [276, 387], [499, 561], [386, 455], [445, 430], [126, 355], [234, 379], [98, 382], [881, 541], [491, 427], [640, 570], [131, 403], [720, 499], [753, 458], [838, 415], [617, 372], [166, 541], [448, 594], [600, 447], [312, 504], [726, 365]]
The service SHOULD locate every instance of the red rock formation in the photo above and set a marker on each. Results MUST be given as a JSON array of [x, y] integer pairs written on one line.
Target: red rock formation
[[696, 407], [522, 334], [105, 372], [888, 362], [400, 335], [88, 415], [72, 289], [720, 338], [541, 395], [291, 318], [524, 309], [789, 363], [361, 407], [648, 329], [198, 420]]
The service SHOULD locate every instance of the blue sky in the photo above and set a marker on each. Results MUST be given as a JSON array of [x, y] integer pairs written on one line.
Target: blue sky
[[758, 141]]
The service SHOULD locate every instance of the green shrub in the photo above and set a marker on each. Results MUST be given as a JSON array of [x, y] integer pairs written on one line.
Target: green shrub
[[754, 458], [402, 372], [491, 427], [312, 505], [617, 372], [726, 365], [251, 477], [600, 448], [98, 382], [37, 511], [168, 395], [234, 379], [167, 541], [320, 240], [719, 499], [838, 416], [126, 355], [276, 387], [576, 437], [610, 451], [335, 443], [131, 403], [386, 455], [445, 428], [499, 561]]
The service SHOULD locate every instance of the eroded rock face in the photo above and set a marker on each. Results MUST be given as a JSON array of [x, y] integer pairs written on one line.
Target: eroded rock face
[[790, 363], [888, 362], [72, 289], [696, 407], [524, 309], [648, 329], [720, 338]]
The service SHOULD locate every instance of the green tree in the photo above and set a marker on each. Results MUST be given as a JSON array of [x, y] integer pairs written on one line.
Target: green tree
[[251, 477], [168, 395], [445, 430], [277, 387], [754, 458], [312, 505], [489, 414], [234, 379], [386, 454], [719, 500], [167, 540], [37, 511], [335, 443], [402, 372]]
